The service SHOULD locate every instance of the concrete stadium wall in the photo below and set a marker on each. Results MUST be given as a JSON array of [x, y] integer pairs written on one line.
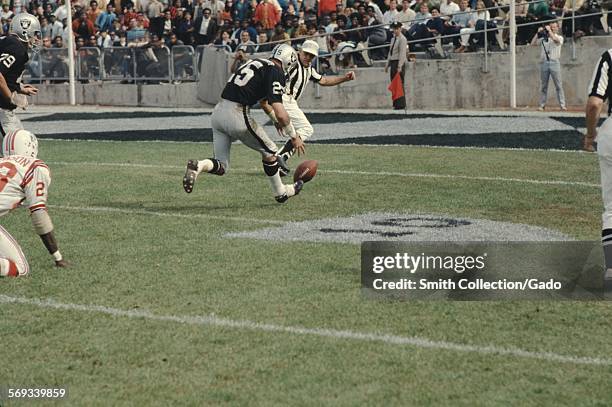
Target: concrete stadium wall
[[456, 83]]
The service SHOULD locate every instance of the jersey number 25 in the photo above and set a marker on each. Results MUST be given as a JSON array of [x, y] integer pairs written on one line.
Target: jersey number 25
[[7, 59], [244, 74]]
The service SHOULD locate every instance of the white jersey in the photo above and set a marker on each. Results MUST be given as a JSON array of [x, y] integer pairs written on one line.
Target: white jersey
[[24, 182], [297, 78]]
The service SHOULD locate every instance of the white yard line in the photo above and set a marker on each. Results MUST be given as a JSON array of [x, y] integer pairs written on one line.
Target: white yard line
[[351, 172], [214, 321], [164, 214]]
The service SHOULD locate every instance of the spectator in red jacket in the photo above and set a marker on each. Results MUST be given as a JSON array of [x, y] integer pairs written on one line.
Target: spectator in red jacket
[[267, 15], [326, 7], [83, 27]]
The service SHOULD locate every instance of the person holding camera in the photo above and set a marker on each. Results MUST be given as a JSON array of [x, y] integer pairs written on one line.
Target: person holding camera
[[551, 42]]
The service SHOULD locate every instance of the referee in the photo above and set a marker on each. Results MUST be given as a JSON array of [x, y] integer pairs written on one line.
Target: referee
[[599, 91], [298, 77]]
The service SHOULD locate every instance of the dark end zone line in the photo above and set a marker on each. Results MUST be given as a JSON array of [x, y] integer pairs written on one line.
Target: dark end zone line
[[557, 140], [109, 115], [549, 140], [136, 135]]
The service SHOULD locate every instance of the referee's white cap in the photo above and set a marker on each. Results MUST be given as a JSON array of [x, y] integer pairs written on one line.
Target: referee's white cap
[[311, 47]]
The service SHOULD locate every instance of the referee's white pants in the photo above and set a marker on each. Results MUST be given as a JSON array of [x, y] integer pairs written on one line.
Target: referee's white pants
[[604, 151], [10, 252], [301, 124], [9, 121]]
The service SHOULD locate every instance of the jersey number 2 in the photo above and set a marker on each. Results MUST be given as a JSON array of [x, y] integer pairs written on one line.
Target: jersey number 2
[[7, 59], [6, 175]]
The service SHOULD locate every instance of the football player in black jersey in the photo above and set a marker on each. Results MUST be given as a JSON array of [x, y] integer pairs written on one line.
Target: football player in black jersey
[[263, 81], [25, 34]]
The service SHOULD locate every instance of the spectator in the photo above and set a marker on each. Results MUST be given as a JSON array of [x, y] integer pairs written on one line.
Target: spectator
[[392, 14], [423, 15], [205, 28], [263, 39], [280, 35], [406, 15], [244, 26], [154, 9], [45, 28], [105, 20], [61, 12], [550, 41], [246, 44], [93, 12], [215, 7], [224, 40], [448, 8], [522, 32], [186, 29], [169, 26], [56, 27], [241, 10], [326, 7], [239, 59], [82, 26], [267, 14], [104, 40], [463, 19], [6, 13], [378, 15]]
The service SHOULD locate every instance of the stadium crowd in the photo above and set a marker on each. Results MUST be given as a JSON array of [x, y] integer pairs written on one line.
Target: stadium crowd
[[247, 25]]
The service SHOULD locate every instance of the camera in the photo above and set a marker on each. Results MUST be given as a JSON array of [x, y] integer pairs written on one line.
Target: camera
[[543, 34]]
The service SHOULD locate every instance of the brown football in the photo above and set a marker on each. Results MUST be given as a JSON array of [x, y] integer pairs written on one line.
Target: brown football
[[305, 171]]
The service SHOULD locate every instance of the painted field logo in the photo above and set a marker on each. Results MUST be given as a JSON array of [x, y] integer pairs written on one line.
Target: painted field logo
[[402, 227]]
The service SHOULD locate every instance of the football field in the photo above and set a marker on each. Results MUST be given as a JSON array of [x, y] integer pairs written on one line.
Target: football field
[[212, 298]]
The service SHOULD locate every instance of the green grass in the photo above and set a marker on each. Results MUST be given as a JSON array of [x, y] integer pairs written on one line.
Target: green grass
[[185, 267]]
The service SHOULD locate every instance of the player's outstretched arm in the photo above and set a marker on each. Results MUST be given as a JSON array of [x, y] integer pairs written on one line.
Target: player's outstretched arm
[[5, 92], [44, 228], [337, 80], [283, 120]]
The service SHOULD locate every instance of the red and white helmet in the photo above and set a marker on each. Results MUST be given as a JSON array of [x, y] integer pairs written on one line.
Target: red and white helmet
[[20, 142]]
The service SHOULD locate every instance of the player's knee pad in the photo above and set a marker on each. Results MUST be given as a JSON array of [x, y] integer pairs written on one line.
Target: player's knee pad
[[270, 168]]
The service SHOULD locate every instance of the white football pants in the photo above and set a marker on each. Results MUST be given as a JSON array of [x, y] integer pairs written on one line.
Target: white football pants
[[604, 151], [301, 124], [10, 250]]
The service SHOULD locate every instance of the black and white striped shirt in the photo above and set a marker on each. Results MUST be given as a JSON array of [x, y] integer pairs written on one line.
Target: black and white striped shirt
[[600, 83], [297, 78]]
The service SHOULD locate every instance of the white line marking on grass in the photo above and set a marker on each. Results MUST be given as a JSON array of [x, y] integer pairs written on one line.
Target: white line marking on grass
[[466, 177], [351, 172], [215, 321], [164, 214]]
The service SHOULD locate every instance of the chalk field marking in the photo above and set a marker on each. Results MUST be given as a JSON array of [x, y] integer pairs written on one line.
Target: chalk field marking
[[215, 321], [351, 172], [163, 214]]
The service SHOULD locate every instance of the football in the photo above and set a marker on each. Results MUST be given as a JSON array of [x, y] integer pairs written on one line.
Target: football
[[305, 171]]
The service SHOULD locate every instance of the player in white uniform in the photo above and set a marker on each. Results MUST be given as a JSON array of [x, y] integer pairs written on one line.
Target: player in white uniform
[[599, 90], [297, 79], [24, 181]]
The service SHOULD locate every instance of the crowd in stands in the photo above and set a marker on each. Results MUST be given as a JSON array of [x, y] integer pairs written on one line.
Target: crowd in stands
[[247, 25]]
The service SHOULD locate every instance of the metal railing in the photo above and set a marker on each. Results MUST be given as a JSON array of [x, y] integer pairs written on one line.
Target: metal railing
[[183, 62]]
